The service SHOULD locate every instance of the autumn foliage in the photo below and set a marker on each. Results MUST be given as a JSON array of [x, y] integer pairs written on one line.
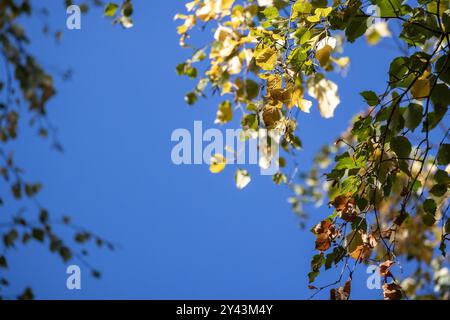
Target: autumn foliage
[[386, 178]]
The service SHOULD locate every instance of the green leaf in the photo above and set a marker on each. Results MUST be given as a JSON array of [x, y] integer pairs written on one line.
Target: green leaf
[[271, 12], [65, 253], [397, 71], [329, 260], [16, 190], [443, 156], [443, 64], [199, 55], [26, 295], [339, 253], [438, 190], [370, 97], [190, 98], [305, 36], [415, 186], [316, 263], [401, 146], [225, 112], [401, 218], [441, 95], [180, 68], [428, 219], [302, 6], [429, 206], [10, 237], [3, 262], [110, 9], [248, 90], [279, 178], [389, 8], [96, 274], [191, 72], [413, 116], [441, 176], [362, 203], [43, 216], [38, 234], [249, 121], [404, 166], [32, 189], [359, 223], [356, 29], [127, 9]]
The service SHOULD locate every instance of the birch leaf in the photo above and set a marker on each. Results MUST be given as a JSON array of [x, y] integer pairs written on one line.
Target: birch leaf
[[242, 178], [266, 58], [325, 91], [218, 163]]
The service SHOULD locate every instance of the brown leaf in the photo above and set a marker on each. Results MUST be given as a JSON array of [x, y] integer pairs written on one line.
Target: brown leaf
[[322, 227], [347, 287], [342, 293], [385, 268], [339, 202], [345, 206], [271, 116], [361, 253], [323, 242], [392, 291], [348, 216], [357, 245], [333, 294], [400, 218], [370, 240], [326, 232]]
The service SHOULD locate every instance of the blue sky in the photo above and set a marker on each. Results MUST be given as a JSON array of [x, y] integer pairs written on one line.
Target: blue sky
[[183, 232]]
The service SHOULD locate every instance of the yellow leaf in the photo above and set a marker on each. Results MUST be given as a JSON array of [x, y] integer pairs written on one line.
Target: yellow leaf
[[218, 163], [182, 29], [342, 62], [222, 33], [225, 113], [377, 31], [274, 81], [421, 88], [226, 4], [314, 18], [266, 58], [295, 97], [319, 13], [228, 47], [226, 88], [323, 12], [191, 5], [206, 12], [323, 55]]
